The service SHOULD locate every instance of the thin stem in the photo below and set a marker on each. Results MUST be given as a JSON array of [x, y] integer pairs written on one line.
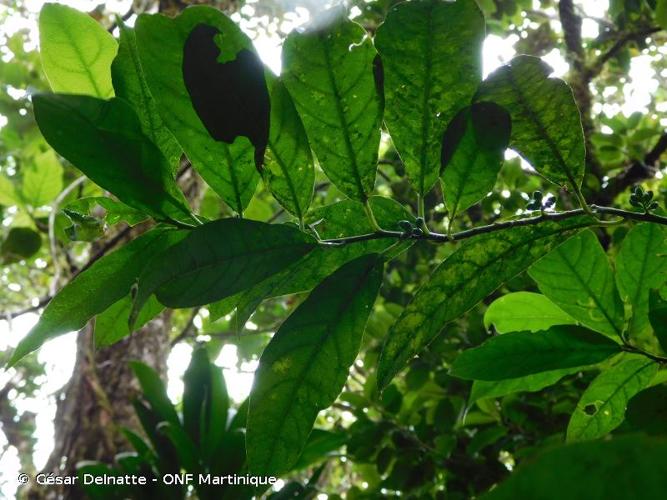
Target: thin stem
[[371, 217], [636, 350], [420, 213]]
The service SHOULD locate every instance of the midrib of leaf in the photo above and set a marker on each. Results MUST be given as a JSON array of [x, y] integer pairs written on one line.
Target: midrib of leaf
[[341, 117], [301, 377], [620, 387], [288, 179], [426, 117], [86, 69], [542, 130], [145, 96], [589, 291]]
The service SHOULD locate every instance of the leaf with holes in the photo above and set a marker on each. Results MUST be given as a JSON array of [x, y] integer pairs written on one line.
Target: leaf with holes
[[546, 126], [228, 168], [76, 51], [602, 406], [578, 278], [641, 265], [105, 141], [129, 82], [432, 66], [464, 278], [289, 172], [328, 71], [306, 364]]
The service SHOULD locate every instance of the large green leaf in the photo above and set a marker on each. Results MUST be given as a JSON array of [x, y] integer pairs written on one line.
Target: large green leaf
[[602, 406], [525, 311], [306, 364], [473, 150], [228, 168], [107, 281], [583, 471], [154, 392], [329, 74], [519, 354], [76, 51], [482, 389], [112, 324], [658, 317], [471, 273], [578, 278], [431, 57], [129, 82], [289, 171], [104, 140], [344, 218], [641, 265], [546, 126], [42, 179], [219, 259]]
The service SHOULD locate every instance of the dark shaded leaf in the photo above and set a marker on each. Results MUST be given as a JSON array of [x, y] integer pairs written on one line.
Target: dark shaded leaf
[[155, 392], [647, 411], [306, 364], [658, 317], [20, 243]]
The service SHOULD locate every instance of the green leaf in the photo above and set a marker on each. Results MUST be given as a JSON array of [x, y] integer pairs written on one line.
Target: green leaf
[[91, 292], [602, 405], [661, 13], [483, 389], [76, 51], [578, 278], [306, 364], [473, 151], [546, 127], [647, 411], [219, 259], [344, 218], [288, 172], [104, 140], [519, 354], [525, 311], [471, 273], [129, 82], [658, 317], [228, 168], [320, 445], [582, 471], [215, 423], [8, 195], [197, 382], [20, 243], [329, 74], [186, 450], [154, 392], [641, 264], [42, 179], [112, 325], [431, 58]]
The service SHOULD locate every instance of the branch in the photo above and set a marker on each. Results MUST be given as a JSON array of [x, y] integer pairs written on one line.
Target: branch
[[596, 68]]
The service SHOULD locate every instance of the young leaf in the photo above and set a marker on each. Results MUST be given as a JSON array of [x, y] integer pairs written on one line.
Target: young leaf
[[288, 172], [104, 140], [219, 259], [483, 389], [76, 51], [658, 318], [107, 281], [475, 270], [525, 311], [42, 179], [546, 127], [602, 406], [598, 469], [519, 354], [228, 168], [431, 58], [129, 82], [578, 278], [473, 150], [641, 264], [306, 364], [329, 74]]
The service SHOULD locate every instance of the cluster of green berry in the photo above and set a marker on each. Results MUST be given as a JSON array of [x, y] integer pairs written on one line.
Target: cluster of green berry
[[643, 199]]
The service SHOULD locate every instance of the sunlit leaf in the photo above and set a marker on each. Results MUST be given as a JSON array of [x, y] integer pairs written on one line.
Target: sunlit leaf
[[525, 311]]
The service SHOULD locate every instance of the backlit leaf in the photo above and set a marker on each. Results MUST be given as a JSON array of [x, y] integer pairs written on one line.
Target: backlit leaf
[[525, 311]]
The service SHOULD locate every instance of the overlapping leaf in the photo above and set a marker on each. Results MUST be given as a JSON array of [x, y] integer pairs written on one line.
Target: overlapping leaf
[[76, 51], [578, 278], [105, 141], [306, 364], [467, 276], [525, 311], [546, 126], [228, 168], [329, 74], [431, 58]]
